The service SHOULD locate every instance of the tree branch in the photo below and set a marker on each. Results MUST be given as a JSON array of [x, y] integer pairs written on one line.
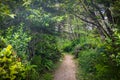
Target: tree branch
[[85, 20]]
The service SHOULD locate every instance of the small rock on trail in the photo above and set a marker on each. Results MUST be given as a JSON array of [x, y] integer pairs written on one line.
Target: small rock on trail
[[67, 69]]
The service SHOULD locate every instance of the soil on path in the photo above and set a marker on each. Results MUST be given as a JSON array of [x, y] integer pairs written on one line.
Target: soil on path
[[67, 69]]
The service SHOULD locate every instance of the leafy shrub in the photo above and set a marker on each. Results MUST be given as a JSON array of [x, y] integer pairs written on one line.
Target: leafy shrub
[[47, 76], [18, 39], [77, 49], [86, 61], [46, 55], [31, 72], [10, 66], [41, 71], [101, 62], [2, 43], [63, 43], [108, 62], [70, 47], [47, 48], [36, 60]]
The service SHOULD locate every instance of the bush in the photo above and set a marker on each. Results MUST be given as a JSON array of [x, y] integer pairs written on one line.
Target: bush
[[71, 46], [46, 55], [47, 76], [19, 40], [102, 62], [10, 66], [47, 48], [2, 43], [86, 61]]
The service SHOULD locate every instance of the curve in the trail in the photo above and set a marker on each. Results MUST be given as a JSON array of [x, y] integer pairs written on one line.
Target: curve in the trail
[[67, 69]]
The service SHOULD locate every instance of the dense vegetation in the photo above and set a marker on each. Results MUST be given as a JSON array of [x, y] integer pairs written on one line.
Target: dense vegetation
[[97, 48], [34, 33], [28, 31]]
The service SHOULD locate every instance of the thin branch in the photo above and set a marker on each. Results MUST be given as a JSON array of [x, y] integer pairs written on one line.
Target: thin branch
[[85, 20]]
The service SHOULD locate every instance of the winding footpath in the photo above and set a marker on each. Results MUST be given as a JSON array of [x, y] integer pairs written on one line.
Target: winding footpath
[[67, 69]]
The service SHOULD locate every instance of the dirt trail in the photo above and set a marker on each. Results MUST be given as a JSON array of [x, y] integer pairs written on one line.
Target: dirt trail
[[67, 69]]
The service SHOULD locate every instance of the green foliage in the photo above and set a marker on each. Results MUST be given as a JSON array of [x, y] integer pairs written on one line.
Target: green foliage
[[47, 76], [10, 66], [116, 11], [31, 72], [13, 68], [18, 39], [101, 62], [63, 43], [47, 48], [41, 21], [70, 47], [47, 53], [36, 60], [87, 63], [2, 43], [43, 65], [83, 41], [5, 10]]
